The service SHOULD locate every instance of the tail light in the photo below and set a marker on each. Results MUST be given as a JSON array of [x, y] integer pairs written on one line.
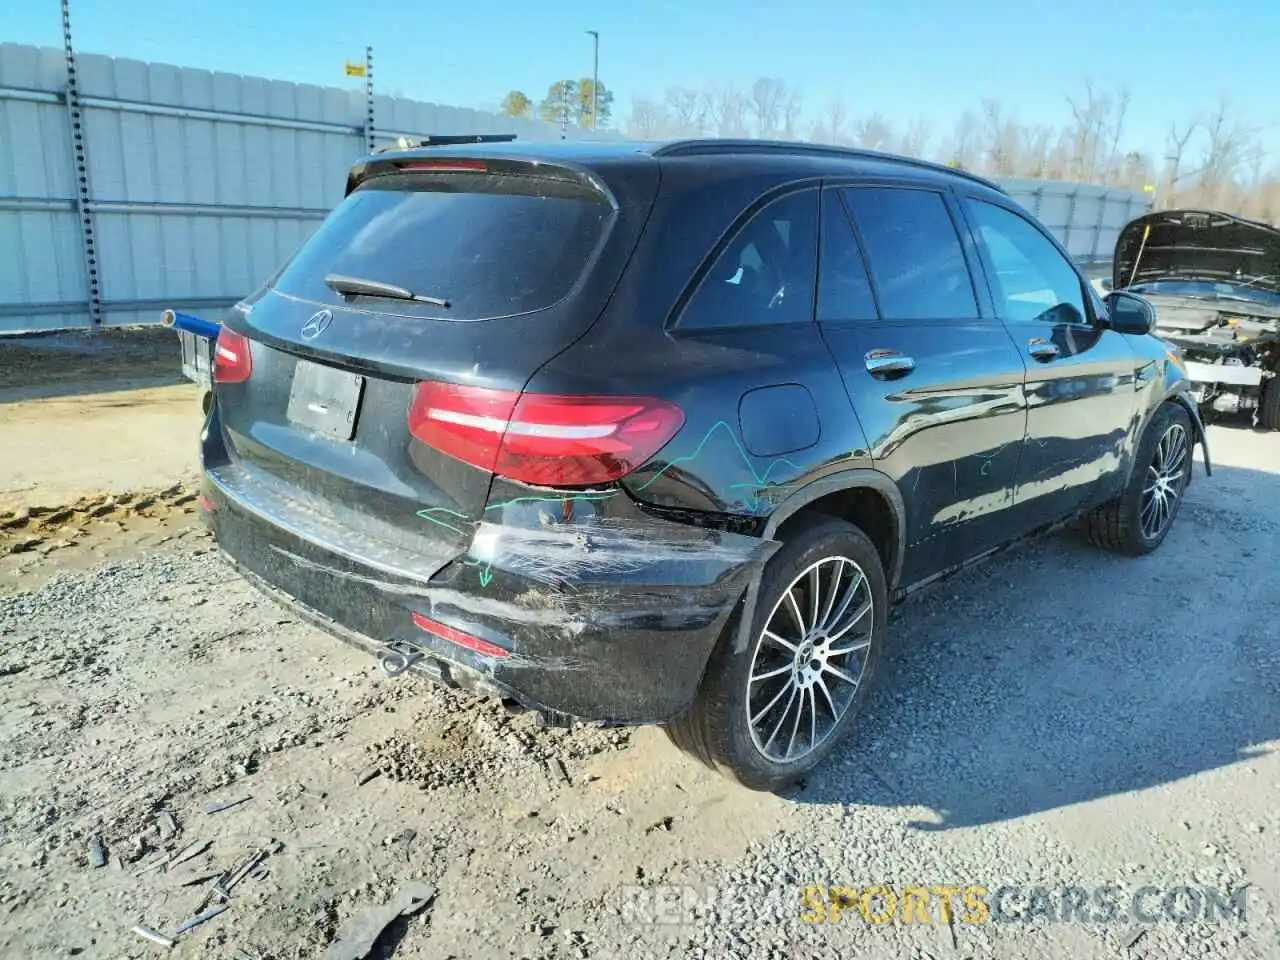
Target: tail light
[[232, 361], [542, 439]]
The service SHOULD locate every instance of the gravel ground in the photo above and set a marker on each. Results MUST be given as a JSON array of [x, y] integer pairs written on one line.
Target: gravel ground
[[1056, 717]]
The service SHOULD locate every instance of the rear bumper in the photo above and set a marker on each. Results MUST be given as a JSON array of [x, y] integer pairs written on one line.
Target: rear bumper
[[604, 619]]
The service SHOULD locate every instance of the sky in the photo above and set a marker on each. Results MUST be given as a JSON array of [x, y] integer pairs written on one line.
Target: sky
[[906, 59]]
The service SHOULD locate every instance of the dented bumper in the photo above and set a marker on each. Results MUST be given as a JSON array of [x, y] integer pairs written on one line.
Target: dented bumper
[[598, 610]]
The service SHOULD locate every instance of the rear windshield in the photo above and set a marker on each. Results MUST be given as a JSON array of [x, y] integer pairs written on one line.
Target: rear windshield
[[490, 245]]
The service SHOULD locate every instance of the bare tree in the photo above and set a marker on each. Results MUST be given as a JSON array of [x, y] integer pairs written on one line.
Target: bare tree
[[726, 111], [647, 121], [1175, 156], [1228, 146], [792, 106], [915, 141], [1034, 149], [1117, 127], [1000, 139], [686, 110], [767, 96], [1213, 160], [1085, 133], [962, 147], [836, 119], [873, 133]]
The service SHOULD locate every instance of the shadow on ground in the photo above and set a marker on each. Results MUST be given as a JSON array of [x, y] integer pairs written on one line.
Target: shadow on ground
[[82, 363], [1058, 674]]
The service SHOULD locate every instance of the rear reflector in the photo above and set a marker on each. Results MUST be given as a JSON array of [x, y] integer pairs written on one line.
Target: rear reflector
[[542, 439], [232, 361], [452, 635], [443, 166]]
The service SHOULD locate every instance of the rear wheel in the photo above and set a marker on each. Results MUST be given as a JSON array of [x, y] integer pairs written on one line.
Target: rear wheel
[[769, 714], [1269, 409], [1138, 520]]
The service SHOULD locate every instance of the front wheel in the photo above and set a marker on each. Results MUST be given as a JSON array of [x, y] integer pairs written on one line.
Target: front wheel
[[770, 713], [1138, 520], [1269, 408]]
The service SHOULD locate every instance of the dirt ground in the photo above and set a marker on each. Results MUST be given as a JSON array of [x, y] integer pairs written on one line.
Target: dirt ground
[[1054, 715], [67, 400]]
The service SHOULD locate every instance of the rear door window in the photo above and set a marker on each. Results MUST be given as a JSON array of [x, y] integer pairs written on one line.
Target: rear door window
[[491, 245], [844, 289], [766, 273], [914, 253]]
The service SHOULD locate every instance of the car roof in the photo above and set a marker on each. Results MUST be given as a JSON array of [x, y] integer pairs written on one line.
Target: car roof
[[584, 152]]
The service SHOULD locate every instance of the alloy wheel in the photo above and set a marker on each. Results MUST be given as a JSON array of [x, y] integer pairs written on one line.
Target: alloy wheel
[[1164, 481], [809, 659]]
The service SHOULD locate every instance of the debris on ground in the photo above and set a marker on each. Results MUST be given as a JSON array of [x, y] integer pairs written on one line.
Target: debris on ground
[[222, 889], [211, 808], [153, 935], [365, 929], [97, 852], [200, 918]]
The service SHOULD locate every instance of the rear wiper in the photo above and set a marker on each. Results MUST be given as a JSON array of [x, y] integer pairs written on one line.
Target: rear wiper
[[360, 287]]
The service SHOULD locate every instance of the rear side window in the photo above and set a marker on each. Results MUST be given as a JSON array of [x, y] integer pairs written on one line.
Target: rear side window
[[844, 290], [914, 253], [766, 273], [490, 245], [1032, 280]]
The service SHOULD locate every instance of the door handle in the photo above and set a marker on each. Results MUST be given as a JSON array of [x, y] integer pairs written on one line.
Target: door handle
[[1041, 350], [882, 363]]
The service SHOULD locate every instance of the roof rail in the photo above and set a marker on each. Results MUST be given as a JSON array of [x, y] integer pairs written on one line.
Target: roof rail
[[702, 147], [438, 140]]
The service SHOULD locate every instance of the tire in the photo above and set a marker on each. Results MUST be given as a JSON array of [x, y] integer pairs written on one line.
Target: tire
[[1118, 524], [716, 727], [1269, 409]]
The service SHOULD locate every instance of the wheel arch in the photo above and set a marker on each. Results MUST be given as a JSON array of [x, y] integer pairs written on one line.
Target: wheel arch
[[825, 496], [1199, 437]]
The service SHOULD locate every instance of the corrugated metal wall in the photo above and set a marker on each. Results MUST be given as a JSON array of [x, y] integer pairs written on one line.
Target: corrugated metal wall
[[200, 183], [1085, 217]]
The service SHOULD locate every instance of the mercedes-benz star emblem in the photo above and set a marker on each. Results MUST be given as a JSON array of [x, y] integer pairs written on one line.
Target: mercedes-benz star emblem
[[317, 325]]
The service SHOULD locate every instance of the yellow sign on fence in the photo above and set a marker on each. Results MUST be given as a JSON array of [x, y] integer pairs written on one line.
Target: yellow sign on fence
[[355, 69]]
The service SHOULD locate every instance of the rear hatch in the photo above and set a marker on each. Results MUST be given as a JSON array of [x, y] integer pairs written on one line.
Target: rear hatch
[[510, 259]]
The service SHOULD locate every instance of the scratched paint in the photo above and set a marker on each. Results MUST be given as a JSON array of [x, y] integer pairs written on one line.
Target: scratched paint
[[758, 501], [554, 558], [454, 520], [558, 618], [609, 550]]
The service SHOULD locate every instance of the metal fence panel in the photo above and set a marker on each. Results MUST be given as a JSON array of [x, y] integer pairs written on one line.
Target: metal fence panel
[[41, 261]]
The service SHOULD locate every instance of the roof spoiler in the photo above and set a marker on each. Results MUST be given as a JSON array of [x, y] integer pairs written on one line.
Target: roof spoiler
[[412, 143]]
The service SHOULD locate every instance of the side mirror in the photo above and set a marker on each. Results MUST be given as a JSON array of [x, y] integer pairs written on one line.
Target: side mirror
[[1129, 313]]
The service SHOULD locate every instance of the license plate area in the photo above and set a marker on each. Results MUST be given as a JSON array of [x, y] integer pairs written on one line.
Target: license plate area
[[325, 399]]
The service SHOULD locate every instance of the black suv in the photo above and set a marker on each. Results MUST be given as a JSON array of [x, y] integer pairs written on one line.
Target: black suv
[[648, 433]]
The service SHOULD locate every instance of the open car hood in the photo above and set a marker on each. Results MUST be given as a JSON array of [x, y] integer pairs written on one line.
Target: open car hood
[[1196, 245]]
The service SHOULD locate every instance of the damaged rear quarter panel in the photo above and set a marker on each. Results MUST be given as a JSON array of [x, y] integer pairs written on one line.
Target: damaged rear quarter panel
[[612, 612]]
